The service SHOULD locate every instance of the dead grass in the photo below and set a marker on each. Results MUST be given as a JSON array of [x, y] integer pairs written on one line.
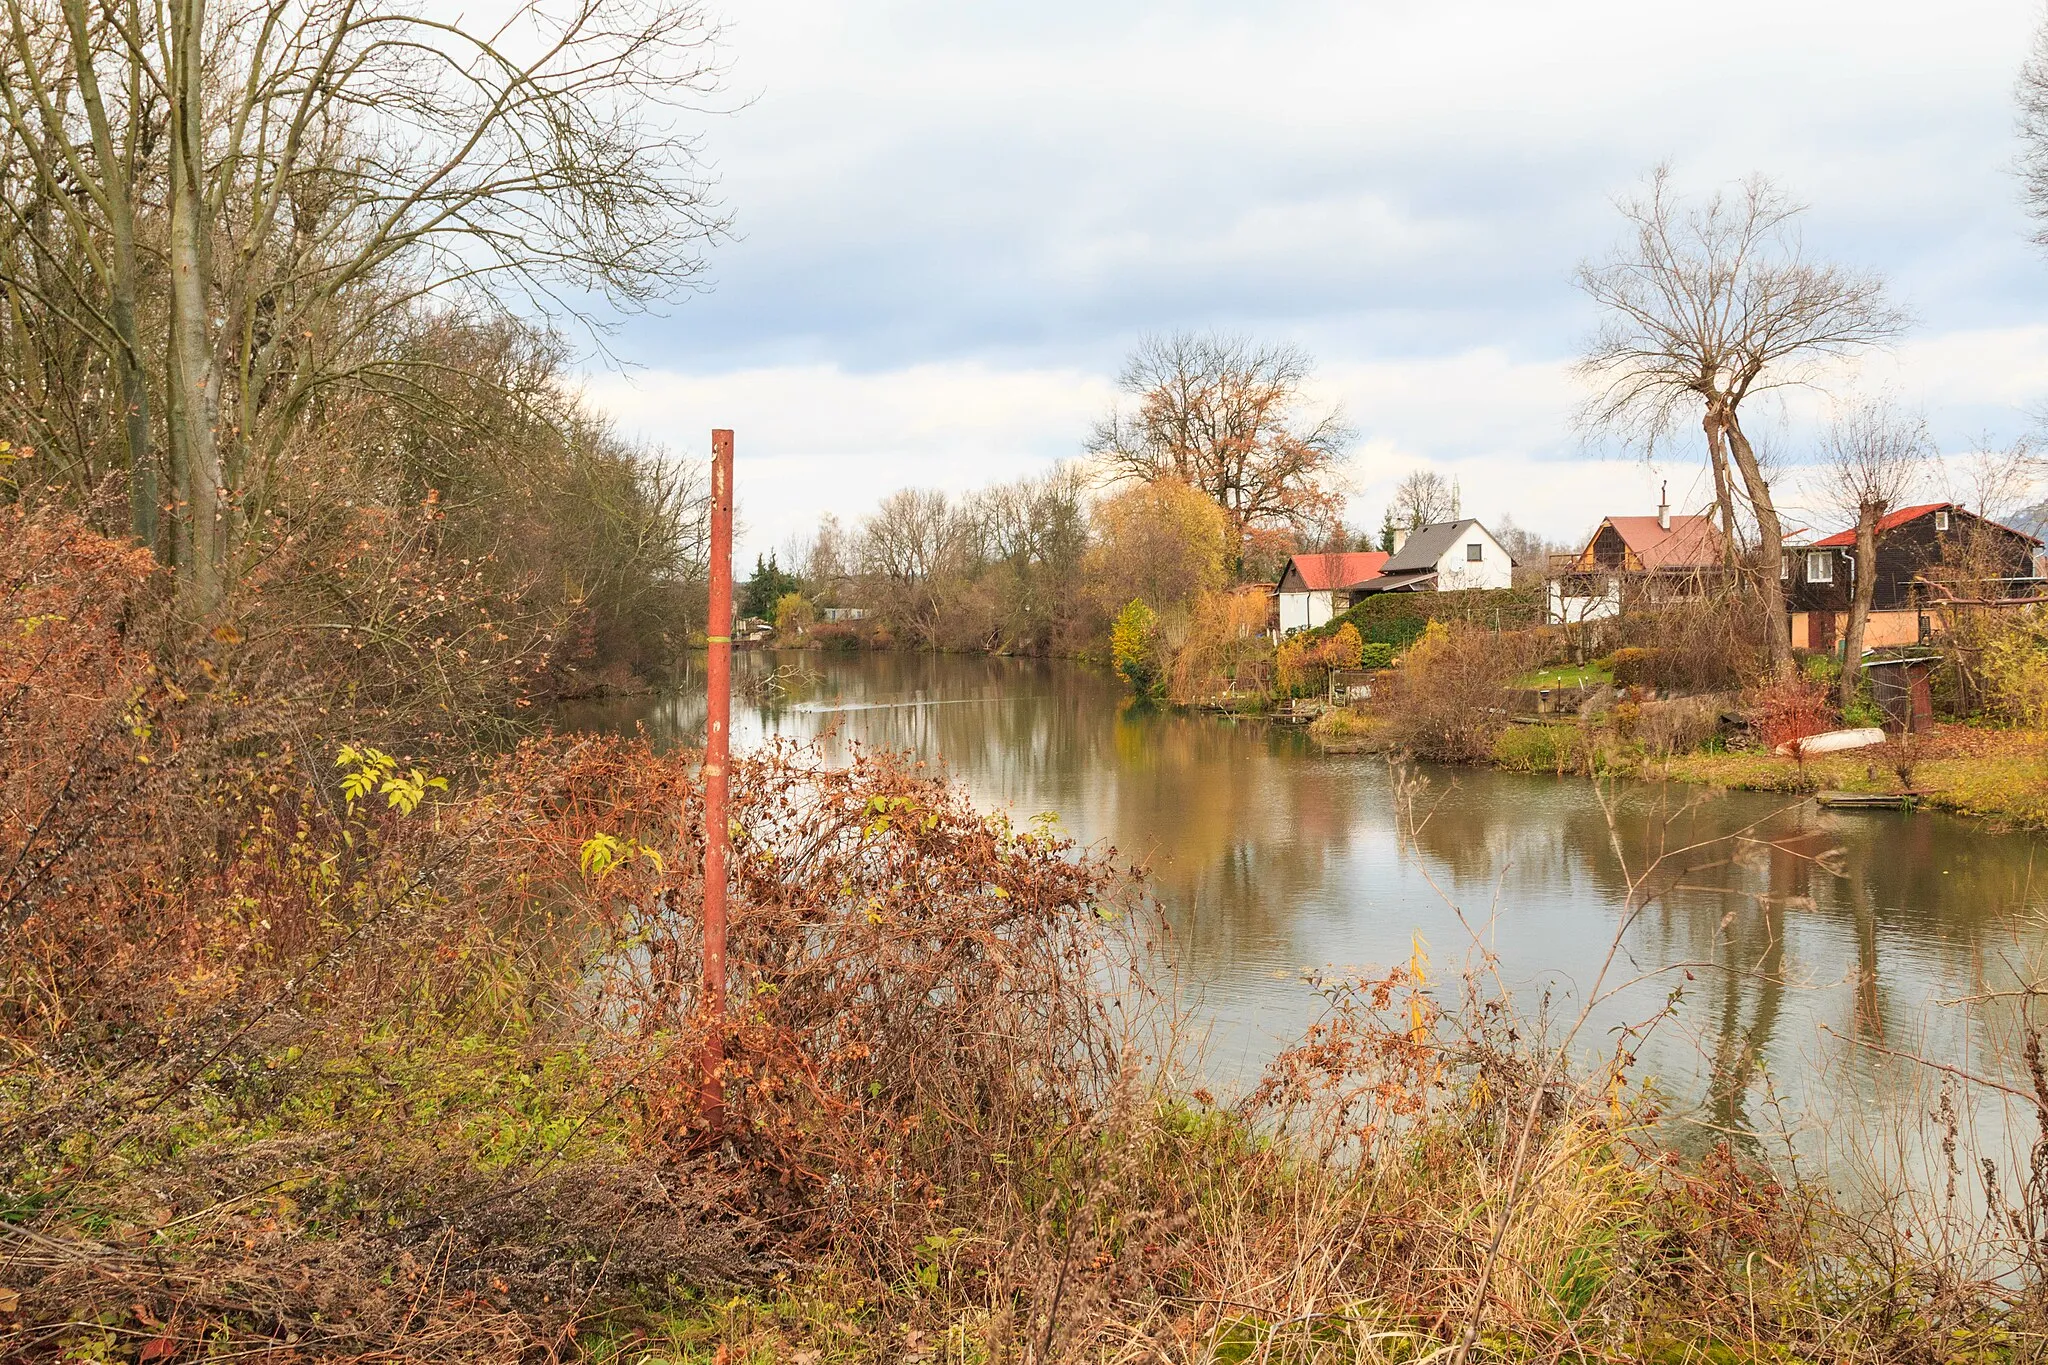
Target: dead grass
[[297, 1075], [1348, 730]]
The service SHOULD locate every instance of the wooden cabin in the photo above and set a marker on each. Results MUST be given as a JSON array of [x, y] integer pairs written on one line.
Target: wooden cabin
[[1932, 558]]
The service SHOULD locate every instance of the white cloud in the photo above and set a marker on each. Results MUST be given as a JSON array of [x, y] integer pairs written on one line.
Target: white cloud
[[814, 439], [955, 218]]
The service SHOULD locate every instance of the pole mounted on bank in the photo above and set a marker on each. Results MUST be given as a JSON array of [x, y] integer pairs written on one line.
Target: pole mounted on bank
[[717, 764]]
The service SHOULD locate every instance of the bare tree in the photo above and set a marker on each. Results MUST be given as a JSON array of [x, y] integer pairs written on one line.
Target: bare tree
[[1707, 305], [1229, 418], [2032, 96], [1530, 551], [1425, 498], [240, 199], [2001, 482], [914, 542], [1873, 457]]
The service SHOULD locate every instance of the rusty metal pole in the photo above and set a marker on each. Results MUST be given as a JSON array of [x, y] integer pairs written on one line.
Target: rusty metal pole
[[717, 755]]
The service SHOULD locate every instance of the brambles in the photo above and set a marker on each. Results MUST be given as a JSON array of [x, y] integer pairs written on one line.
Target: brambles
[[446, 1066], [289, 1079], [1789, 708]]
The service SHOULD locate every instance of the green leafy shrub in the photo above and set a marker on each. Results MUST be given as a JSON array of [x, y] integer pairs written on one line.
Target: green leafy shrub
[[1539, 749], [1375, 654], [1824, 669], [1399, 618], [1134, 648], [2014, 671]]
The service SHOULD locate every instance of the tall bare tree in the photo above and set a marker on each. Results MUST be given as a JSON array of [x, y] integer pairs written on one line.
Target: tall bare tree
[[1706, 305], [913, 545], [1873, 456], [2032, 96], [1425, 498], [233, 202], [1229, 418]]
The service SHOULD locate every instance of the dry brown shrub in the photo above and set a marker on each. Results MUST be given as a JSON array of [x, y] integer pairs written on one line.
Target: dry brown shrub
[[922, 988], [1452, 698], [1681, 724], [1704, 644], [921, 1023]]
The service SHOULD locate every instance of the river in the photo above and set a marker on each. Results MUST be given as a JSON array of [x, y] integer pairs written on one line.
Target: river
[[1807, 948]]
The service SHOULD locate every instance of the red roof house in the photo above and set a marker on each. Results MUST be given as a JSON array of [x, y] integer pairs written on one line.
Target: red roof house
[[1314, 588]]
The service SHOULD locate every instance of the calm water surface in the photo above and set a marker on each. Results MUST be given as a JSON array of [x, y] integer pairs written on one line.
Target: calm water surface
[[1806, 946]]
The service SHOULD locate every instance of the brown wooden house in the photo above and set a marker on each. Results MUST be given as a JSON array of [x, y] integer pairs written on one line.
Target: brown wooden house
[[1931, 558], [1634, 562]]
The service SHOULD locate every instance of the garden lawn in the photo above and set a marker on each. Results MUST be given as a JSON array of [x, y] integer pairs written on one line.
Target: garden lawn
[[1567, 675]]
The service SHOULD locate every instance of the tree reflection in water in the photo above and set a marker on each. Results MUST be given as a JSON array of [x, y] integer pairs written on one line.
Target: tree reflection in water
[[1806, 934]]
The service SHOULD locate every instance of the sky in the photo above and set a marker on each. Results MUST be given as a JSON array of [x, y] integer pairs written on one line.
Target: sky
[[952, 221]]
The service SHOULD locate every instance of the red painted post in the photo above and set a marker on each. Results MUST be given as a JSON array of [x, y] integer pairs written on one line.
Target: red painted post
[[717, 754]]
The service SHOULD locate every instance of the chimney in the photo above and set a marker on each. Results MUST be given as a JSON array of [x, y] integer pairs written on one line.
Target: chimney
[[1664, 506], [1400, 538]]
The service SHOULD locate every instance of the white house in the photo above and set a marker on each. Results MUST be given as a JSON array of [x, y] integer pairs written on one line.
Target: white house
[[1447, 557], [1314, 588]]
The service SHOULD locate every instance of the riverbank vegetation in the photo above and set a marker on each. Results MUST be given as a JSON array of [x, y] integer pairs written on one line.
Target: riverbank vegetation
[[1679, 710], [321, 1050], [286, 304]]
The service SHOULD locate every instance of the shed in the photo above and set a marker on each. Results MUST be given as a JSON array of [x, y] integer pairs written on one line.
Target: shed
[[1904, 690]]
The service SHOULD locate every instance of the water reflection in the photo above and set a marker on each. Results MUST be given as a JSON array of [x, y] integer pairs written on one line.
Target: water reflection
[[1795, 938]]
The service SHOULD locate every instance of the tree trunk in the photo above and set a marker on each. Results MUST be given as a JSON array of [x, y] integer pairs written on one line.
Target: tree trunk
[[1770, 538], [194, 380], [1724, 495], [121, 288], [1863, 593]]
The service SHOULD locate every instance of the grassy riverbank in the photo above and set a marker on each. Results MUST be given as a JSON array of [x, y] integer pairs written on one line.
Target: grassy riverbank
[[2000, 775]]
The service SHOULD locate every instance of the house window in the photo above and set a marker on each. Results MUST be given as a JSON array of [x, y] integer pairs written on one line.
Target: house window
[[1941, 521], [1820, 567], [1785, 566], [1473, 553]]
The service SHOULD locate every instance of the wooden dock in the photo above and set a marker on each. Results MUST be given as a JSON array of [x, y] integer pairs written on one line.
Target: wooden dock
[[1869, 800]]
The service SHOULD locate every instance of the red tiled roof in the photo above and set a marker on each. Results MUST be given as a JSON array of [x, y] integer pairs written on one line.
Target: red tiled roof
[[1323, 573], [1693, 542], [1890, 521]]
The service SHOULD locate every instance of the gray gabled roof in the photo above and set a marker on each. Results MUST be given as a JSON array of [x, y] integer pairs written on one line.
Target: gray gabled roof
[[1400, 582], [1426, 545]]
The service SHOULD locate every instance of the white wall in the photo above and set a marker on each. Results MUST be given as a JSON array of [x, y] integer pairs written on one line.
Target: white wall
[[1566, 610], [1493, 568], [1299, 610]]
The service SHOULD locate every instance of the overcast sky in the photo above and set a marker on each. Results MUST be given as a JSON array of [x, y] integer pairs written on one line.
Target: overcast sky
[[954, 219]]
